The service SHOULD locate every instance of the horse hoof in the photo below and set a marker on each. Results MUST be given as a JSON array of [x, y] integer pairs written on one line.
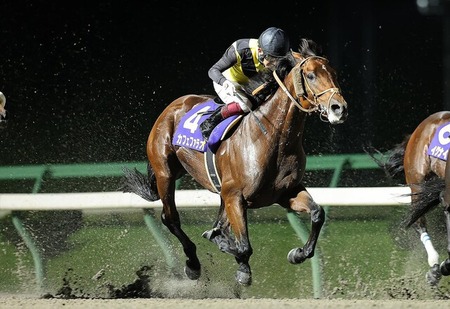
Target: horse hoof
[[244, 278], [192, 274], [445, 267], [296, 256], [433, 276]]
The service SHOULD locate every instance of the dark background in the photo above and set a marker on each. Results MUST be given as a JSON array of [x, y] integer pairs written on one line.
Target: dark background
[[85, 80]]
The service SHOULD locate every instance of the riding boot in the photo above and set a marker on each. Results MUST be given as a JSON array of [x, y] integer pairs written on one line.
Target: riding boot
[[209, 124], [217, 116]]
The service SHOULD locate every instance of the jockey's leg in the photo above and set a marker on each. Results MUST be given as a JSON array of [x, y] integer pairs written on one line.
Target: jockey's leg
[[217, 116]]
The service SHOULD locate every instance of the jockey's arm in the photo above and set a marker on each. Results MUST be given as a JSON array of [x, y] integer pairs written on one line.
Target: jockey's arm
[[225, 62]]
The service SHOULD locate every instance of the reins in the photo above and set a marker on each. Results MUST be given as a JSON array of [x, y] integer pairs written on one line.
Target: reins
[[291, 97], [316, 96]]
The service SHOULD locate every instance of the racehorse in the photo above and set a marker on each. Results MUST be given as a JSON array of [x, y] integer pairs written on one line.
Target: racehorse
[[260, 162], [421, 158], [2, 107]]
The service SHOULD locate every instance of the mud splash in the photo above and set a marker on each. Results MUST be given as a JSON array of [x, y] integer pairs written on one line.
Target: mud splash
[[139, 288]]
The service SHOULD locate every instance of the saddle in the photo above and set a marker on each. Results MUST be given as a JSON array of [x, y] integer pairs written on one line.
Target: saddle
[[189, 135]]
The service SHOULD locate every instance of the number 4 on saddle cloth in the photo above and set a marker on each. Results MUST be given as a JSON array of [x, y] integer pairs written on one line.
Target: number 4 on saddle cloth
[[189, 135], [440, 143]]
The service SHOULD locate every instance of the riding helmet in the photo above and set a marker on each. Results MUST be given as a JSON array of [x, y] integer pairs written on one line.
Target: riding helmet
[[274, 42]]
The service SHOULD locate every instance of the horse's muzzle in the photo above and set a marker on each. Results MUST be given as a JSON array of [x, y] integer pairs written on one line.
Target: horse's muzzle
[[2, 107], [337, 112], [3, 119]]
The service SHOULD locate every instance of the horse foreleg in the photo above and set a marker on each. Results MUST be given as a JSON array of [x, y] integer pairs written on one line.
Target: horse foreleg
[[237, 218], [434, 274], [171, 219], [220, 233], [303, 202]]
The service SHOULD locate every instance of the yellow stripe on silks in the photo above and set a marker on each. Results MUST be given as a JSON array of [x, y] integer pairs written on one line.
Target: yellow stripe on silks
[[235, 73], [254, 47]]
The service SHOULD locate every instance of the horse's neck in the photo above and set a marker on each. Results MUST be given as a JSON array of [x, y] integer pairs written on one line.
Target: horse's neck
[[287, 120]]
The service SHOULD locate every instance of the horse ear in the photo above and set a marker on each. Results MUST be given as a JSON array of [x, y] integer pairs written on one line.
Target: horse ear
[[297, 56], [298, 81]]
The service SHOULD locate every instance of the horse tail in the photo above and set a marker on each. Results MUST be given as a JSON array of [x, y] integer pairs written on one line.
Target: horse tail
[[392, 161], [140, 184], [393, 166], [425, 199]]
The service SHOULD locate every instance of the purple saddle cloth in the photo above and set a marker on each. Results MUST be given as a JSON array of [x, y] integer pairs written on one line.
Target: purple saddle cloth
[[440, 143], [188, 133]]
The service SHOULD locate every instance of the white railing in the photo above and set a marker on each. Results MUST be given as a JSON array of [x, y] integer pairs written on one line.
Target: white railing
[[349, 196], [110, 201]]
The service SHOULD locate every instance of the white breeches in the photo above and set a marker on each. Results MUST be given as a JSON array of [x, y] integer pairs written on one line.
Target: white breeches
[[240, 97]]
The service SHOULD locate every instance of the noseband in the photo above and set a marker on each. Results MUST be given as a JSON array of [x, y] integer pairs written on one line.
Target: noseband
[[302, 92]]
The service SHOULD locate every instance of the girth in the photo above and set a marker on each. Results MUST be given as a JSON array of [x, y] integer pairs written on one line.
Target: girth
[[213, 176]]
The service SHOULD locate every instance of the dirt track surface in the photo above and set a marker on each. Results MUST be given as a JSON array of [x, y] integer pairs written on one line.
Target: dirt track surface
[[154, 303]]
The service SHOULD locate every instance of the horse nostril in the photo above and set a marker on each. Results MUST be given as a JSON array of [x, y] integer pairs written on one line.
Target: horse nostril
[[337, 108]]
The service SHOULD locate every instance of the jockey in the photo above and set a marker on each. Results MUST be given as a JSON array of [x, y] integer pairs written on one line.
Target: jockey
[[242, 60]]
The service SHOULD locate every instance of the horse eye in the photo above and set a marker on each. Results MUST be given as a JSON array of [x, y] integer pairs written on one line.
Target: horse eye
[[311, 76]]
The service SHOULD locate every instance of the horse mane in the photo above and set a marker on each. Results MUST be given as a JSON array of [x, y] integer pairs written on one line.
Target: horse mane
[[307, 48], [283, 68]]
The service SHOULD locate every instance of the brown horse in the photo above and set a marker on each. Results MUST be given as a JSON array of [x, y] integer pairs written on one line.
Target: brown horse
[[423, 165], [258, 167]]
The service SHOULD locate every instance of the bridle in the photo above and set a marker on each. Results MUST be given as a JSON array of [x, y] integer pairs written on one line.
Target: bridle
[[303, 88]]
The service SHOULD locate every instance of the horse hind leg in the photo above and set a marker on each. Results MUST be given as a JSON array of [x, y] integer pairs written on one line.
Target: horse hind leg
[[433, 275], [153, 187], [171, 219], [169, 169], [445, 265]]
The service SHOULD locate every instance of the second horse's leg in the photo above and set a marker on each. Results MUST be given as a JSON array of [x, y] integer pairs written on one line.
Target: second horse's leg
[[445, 265], [433, 276], [445, 201]]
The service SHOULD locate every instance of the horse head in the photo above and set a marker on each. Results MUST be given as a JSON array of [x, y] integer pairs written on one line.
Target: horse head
[[2, 107], [316, 88]]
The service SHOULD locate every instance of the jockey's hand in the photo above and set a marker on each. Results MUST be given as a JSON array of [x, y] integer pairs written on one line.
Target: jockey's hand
[[229, 88]]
